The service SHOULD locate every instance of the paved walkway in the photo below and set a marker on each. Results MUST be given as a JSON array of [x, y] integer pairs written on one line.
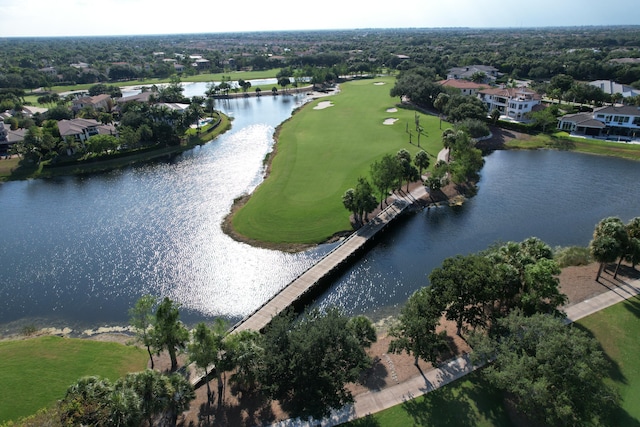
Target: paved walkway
[[376, 401]]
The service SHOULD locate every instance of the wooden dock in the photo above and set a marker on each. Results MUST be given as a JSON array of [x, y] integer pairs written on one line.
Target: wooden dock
[[308, 280]]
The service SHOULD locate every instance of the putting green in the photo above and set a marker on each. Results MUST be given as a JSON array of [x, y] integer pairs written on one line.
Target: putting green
[[320, 153]]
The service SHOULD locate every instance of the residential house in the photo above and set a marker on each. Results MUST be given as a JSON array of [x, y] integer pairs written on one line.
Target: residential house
[[83, 129], [201, 64], [9, 137], [511, 102], [610, 88], [466, 87], [4, 143], [98, 102], [610, 122], [49, 71], [30, 111], [140, 97], [468, 72]]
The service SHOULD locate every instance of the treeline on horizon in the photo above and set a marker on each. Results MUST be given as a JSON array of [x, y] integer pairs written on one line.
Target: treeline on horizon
[[584, 53]]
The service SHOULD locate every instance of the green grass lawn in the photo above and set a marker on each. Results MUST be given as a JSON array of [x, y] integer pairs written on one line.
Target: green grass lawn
[[320, 154], [470, 401], [616, 328], [37, 372], [562, 141]]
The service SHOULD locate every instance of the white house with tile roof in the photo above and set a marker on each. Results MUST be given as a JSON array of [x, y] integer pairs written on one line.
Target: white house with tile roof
[[611, 122], [513, 102]]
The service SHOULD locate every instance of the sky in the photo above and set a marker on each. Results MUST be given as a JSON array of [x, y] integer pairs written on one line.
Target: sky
[[52, 18]]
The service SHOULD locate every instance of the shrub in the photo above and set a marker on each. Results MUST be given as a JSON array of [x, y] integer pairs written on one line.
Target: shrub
[[475, 128], [572, 256]]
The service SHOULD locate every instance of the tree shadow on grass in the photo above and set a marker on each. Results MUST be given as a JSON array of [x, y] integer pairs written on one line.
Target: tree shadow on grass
[[613, 369], [441, 408], [633, 305], [368, 421]]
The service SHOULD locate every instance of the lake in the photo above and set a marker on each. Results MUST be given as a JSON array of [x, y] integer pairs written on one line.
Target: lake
[[79, 251]]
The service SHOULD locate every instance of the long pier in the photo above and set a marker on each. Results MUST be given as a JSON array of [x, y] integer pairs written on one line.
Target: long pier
[[307, 281]]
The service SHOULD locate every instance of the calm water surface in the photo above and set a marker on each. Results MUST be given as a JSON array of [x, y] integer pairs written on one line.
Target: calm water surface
[[556, 196], [79, 251]]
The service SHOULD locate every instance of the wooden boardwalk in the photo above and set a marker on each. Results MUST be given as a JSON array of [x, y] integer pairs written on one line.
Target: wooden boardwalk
[[306, 281]]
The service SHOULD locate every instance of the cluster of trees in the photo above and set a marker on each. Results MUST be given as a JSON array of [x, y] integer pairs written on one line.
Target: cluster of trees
[[140, 125], [390, 172], [505, 300], [475, 290], [303, 363], [420, 86], [539, 54], [555, 374]]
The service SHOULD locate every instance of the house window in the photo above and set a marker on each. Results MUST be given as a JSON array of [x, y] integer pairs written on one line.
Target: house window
[[600, 116], [636, 121], [520, 107]]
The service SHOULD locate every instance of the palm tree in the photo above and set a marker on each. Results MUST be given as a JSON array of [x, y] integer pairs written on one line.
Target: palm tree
[[495, 116], [440, 103], [610, 240], [168, 331], [210, 104], [141, 318], [201, 352], [245, 355], [421, 160], [633, 251]]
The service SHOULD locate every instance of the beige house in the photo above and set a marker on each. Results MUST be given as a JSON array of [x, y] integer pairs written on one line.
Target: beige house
[[83, 129], [98, 102], [466, 87]]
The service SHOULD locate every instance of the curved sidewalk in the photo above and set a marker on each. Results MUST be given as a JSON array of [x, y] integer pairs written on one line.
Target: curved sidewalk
[[376, 401]]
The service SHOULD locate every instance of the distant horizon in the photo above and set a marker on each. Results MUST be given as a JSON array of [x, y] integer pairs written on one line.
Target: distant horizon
[[112, 18], [550, 27]]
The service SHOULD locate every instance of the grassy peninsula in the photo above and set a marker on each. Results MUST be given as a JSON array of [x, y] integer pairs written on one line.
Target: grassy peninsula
[[320, 153]]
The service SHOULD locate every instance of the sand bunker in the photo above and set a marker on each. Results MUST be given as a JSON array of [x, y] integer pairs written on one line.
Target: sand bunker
[[379, 83], [392, 110], [389, 121], [322, 105]]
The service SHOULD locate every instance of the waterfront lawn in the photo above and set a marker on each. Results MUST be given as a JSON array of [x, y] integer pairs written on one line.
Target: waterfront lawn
[[470, 401], [37, 372], [320, 154], [563, 141]]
